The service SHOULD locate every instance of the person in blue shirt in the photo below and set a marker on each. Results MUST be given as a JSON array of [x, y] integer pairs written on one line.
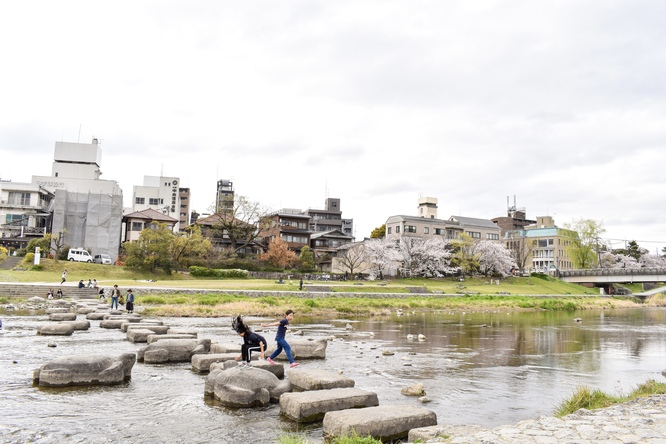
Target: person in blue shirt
[[251, 342], [282, 344]]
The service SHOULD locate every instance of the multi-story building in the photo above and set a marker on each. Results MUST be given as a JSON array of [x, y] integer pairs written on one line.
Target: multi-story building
[[87, 210], [478, 229], [426, 224], [289, 224], [225, 197], [25, 213], [164, 195], [542, 246], [325, 244], [216, 228], [330, 218]]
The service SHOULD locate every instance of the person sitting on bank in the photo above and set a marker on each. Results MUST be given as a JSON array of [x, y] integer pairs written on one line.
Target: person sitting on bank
[[81, 285]]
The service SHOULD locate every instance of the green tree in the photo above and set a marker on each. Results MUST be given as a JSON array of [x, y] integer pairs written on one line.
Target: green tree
[[585, 244], [379, 232], [3, 253], [306, 261], [191, 243], [463, 255], [633, 250], [44, 244], [152, 250]]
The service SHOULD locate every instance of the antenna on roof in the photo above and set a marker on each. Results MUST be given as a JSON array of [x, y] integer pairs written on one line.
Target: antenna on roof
[[79, 138]]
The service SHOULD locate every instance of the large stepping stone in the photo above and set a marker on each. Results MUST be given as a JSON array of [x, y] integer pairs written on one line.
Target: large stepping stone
[[79, 325], [81, 370], [313, 405], [56, 329], [57, 310], [202, 363], [225, 348], [277, 370], [112, 323], [96, 316], [316, 379], [303, 348], [173, 350], [138, 334], [62, 317], [242, 387], [383, 422]]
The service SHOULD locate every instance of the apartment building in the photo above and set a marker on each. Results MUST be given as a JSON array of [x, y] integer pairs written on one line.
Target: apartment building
[[330, 218], [163, 194], [478, 229], [426, 224], [543, 245], [289, 224], [25, 213]]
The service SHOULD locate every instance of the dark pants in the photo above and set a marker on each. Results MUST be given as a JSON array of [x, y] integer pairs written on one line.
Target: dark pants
[[246, 351]]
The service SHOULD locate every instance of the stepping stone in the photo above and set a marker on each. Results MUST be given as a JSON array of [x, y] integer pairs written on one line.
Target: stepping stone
[[79, 325], [138, 334], [202, 363], [316, 379], [277, 370], [62, 317], [225, 348], [157, 329], [383, 422], [154, 337], [56, 329], [313, 405]]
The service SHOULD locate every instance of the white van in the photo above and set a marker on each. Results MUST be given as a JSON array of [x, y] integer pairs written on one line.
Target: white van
[[79, 255]]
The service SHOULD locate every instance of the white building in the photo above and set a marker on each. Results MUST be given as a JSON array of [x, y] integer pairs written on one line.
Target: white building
[[24, 213], [86, 209], [163, 194]]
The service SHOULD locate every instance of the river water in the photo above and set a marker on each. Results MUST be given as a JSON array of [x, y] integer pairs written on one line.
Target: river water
[[478, 368]]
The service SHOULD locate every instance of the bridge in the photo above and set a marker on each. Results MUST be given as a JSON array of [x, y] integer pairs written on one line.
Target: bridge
[[613, 275]]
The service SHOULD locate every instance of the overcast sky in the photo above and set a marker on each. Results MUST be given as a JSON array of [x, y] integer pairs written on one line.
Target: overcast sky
[[561, 103]]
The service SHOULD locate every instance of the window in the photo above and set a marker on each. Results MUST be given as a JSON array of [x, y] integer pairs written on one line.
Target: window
[[155, 201], [543, 243], [397, 229], [183, 198], [293, 224], [388, 230], [18, 198], [493, 236], [426, 230], [550, 242], [438, 231], [410, 229], [18, 219], [294, 239], [474, 234], [140, 200], [137, 226]]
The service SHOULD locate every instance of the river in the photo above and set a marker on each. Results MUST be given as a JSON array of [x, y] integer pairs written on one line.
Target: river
[[478, 368]]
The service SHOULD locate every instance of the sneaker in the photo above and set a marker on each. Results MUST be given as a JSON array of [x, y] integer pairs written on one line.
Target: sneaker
[[271, 361], [294, 364]]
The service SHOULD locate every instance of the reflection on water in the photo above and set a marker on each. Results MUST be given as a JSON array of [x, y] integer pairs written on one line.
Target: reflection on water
[[488, 368]]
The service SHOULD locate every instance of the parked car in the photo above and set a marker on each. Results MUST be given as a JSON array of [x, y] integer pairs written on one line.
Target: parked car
[[79, 255], [103, 259]]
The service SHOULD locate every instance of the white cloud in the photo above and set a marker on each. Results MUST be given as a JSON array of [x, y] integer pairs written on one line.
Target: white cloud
[[559, 102]]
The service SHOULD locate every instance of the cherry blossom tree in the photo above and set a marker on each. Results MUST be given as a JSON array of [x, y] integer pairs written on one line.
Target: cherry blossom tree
[[494, 258], [625, 261], [650, 260], [382, 253], [430, 257]]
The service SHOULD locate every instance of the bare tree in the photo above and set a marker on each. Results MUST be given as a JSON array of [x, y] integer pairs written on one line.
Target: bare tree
[[350, 257], [238, 222], [520, 248]]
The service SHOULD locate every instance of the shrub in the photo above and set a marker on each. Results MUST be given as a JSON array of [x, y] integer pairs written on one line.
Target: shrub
[[29, 258], [218, 272], [37, 267]]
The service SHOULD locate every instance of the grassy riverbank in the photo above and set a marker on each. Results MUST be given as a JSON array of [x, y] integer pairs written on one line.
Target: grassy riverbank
[[584, 398], [472, 294]]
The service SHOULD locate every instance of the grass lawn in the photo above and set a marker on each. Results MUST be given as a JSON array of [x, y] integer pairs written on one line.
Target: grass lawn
[[50, 271]]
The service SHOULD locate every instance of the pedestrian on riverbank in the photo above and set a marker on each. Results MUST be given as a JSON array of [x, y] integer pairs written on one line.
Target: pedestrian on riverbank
[[282, 343], [59, 293], [251, 342], [115, 295], [130, 301], [63, 277]]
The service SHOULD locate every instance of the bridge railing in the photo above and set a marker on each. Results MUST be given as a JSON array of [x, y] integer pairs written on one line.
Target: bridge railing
[[613, 272]]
